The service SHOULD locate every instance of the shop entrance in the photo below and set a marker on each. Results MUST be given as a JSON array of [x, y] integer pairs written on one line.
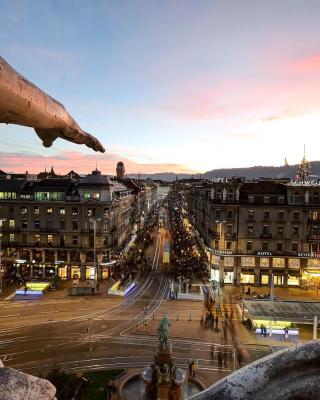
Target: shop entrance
[[278, 280]]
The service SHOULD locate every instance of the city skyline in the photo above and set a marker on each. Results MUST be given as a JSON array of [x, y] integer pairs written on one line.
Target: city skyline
[[220, 80]]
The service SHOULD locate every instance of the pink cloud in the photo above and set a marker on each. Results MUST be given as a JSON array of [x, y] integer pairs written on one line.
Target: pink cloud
[[273, 94], [81, 163], [309, 64]]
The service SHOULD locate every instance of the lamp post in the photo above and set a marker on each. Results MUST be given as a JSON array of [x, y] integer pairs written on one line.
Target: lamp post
[[1, 221], [96, 268], [220, 247]]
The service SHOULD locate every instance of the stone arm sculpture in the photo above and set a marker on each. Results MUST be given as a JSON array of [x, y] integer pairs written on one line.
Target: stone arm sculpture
[[291, 374], [23, 103]]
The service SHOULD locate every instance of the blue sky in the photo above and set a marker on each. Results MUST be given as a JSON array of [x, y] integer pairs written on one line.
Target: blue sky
[[169, 85]]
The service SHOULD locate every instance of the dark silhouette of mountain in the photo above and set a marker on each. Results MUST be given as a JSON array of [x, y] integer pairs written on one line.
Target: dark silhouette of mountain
[[256, 172]]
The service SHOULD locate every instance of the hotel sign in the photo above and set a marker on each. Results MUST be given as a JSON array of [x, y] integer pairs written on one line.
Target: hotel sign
[[264, 253]]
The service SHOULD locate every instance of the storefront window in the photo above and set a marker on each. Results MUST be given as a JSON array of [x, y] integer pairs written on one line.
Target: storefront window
[[75, 272], [247, 278], [215, 260], [62, 272], [313, 263], [264, 279], [293, 280], [90, 273], [105, 273], [228, 277], [228, 261], [278, 280], [294, 263], [247, 261], [264, 262], [278, 262], [215, 275]]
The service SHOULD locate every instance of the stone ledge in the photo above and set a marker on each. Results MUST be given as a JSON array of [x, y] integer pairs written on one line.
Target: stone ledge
[[288, 374]]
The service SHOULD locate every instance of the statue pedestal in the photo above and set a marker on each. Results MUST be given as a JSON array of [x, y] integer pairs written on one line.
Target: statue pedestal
[[163, 379], [163, 391], [164, 356]]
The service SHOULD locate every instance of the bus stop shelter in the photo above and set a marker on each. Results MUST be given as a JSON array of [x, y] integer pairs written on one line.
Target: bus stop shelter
[[281, 314]]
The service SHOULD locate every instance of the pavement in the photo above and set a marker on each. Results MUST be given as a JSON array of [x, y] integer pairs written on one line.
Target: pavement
[[290, 293], [185, 323], [60, 293]]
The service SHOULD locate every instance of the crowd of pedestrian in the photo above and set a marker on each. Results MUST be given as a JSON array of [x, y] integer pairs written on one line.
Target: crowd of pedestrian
[[188, 260]]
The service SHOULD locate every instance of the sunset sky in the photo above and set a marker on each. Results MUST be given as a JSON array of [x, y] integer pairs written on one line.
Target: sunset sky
[[168, 85]]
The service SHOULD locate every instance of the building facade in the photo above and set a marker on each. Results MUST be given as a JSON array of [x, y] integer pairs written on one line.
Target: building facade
[[258, 231], [51, 227]]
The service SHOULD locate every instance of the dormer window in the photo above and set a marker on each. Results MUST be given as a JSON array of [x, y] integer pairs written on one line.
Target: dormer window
[[230, 195]]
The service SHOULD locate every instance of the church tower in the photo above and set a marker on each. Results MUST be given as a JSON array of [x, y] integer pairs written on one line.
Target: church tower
[[120, 170]]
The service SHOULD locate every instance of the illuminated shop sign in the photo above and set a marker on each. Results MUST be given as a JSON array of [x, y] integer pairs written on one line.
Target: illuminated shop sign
[[221, 252], [309, 255], [305, 183]]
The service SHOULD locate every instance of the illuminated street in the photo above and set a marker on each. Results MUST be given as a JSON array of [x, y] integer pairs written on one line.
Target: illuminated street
[[38, 334]]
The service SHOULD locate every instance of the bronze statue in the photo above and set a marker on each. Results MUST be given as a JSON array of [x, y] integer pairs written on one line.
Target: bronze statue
[[163, 331], [23, 103]]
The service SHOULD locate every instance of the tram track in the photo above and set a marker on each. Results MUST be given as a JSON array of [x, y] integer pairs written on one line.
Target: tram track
[[70, 340]]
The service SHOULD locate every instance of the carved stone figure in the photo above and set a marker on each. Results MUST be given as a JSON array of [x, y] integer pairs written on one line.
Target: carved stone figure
[[166, 373], [23, 103], [158, 374], [16, 385], [163, 331]]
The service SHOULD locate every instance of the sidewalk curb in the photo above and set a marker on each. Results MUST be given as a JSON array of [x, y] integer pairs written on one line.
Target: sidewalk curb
[[10, 296]]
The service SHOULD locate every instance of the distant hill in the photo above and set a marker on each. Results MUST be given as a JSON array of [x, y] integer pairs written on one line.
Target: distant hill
[[249, 173]]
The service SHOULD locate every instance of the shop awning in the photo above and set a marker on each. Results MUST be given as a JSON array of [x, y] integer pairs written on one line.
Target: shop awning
[[314, 272], [297, 274]]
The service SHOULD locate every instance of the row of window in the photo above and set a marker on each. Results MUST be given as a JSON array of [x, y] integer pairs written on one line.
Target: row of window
[[62, 224], [266, 199], [265, 246], [280, 230], [91, 212], [276, 262], [266, 230], [8, 195], [313, 215], [36, 239], [49, 240]]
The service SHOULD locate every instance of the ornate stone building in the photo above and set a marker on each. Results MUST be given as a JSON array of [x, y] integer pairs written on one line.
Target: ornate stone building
[[256, 230], [50, 225]]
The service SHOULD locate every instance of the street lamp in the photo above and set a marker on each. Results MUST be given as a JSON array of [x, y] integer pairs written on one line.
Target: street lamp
[[96, 269], [1, 221]]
